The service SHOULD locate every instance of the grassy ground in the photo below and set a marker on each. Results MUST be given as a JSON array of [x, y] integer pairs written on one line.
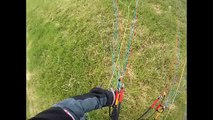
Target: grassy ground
[[68, 52]]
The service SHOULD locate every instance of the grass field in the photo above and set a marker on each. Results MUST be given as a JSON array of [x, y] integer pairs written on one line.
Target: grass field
[[68, 52]]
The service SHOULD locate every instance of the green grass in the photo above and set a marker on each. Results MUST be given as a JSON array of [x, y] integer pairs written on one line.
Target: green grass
[[68, 52]]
